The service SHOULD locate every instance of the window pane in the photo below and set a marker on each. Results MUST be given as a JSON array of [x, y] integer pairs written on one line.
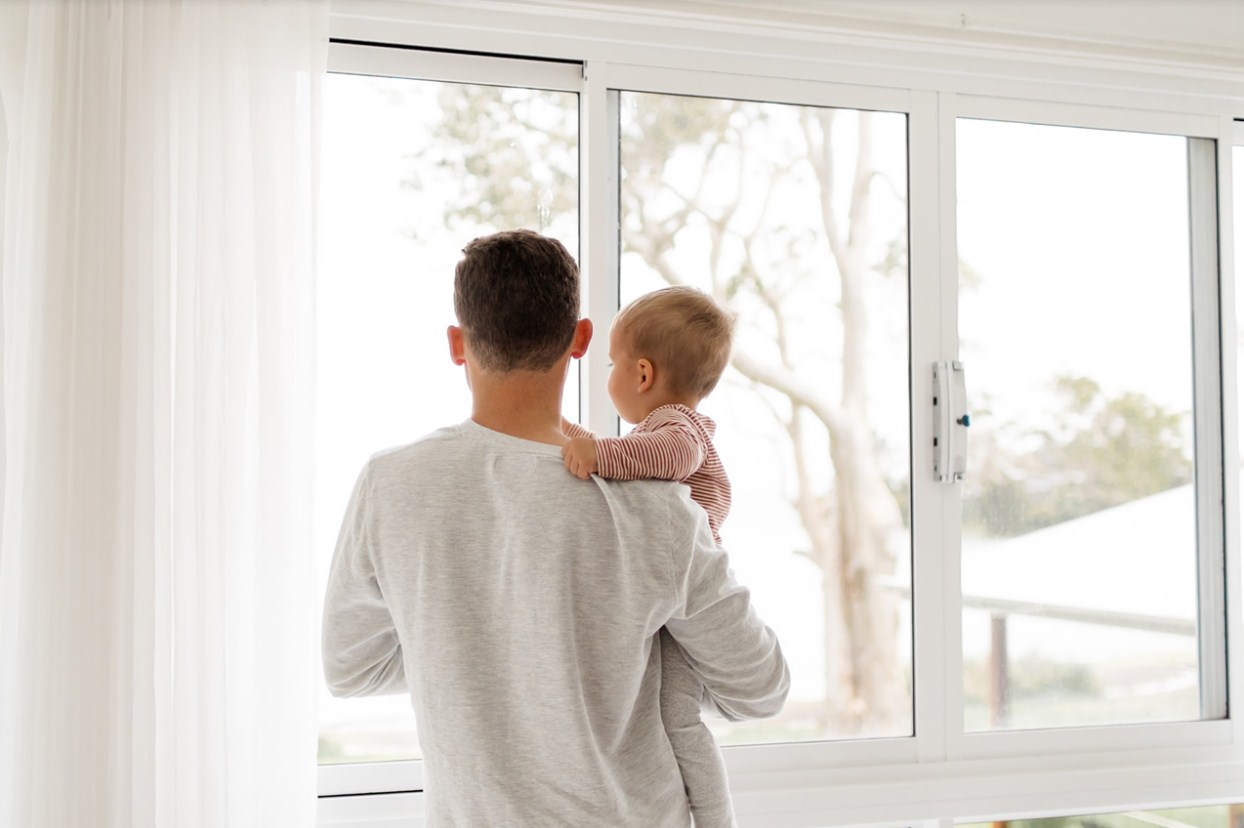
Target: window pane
[[1079, 516], [1237, 166], [796, 218], [398, 158]]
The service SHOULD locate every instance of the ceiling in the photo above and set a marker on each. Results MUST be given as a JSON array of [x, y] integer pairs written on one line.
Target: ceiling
[[1210, 29]]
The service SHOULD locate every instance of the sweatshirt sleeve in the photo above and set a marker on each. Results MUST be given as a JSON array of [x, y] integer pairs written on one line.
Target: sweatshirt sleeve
[[361, 651], [736, 656], [670, 449]]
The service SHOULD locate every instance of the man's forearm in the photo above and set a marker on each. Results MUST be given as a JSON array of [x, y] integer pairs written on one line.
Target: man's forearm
[[360, 648], [736, 656]]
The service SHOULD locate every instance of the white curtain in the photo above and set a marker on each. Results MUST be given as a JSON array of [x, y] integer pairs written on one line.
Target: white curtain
[[157, 608]]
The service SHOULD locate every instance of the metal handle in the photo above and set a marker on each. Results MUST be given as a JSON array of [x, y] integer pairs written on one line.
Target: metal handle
[[950, 422]]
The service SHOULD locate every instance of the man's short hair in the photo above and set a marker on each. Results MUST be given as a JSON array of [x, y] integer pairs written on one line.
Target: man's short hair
[[684, 332], [516, 295]]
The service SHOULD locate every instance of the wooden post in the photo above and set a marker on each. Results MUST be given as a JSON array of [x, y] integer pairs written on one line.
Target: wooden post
[[999, 679]]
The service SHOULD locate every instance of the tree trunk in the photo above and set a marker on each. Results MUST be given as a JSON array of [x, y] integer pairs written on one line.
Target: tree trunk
[[866, 510], [876, 701]]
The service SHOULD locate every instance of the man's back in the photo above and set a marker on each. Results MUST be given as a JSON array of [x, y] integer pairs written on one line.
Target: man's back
[[518, 605]]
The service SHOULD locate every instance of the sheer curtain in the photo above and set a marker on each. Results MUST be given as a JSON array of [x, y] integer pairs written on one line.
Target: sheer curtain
[[157, 614]]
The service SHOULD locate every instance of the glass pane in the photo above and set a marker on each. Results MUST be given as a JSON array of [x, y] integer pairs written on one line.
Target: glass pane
[[796, 218], [1237, 166], [398, 157], [1079, 517]]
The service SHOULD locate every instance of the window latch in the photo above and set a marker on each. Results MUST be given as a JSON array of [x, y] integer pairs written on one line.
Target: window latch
[[950, 422]]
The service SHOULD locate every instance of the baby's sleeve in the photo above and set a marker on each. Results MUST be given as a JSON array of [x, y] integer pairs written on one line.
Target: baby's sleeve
[[575, 430], [671, 448]]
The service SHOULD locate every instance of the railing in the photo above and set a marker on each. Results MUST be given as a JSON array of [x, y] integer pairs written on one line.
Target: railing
[[1000, 609]]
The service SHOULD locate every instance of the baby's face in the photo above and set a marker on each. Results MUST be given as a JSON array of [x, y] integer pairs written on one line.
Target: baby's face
[[625, 378]]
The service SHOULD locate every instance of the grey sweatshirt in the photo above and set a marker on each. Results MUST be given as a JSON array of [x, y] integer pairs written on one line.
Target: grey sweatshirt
[[518, 606]]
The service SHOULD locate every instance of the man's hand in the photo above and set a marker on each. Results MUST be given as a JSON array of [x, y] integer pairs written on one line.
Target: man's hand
[[579, 455]]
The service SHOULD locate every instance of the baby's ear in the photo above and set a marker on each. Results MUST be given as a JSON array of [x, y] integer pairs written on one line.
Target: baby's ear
[[647, 374]]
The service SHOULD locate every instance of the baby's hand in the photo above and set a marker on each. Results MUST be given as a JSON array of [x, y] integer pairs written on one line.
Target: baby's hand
[[579, 455]]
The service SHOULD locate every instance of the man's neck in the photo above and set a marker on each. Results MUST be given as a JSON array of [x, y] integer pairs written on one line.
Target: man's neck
[[522, 404]]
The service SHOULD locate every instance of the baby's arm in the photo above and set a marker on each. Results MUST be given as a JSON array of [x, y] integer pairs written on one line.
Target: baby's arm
[[573, 430], [672, 449]]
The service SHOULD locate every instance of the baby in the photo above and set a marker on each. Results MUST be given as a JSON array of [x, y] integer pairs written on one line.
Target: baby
[[668, 349]]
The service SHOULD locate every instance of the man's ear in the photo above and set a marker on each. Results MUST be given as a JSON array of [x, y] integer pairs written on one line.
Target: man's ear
[[582, 338], [457, 349], [647, 375]]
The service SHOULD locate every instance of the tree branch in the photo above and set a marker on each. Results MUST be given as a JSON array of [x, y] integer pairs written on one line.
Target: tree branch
[[782, 380]]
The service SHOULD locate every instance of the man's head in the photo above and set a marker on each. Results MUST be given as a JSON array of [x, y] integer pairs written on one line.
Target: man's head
[[516, 295], [684, 333]]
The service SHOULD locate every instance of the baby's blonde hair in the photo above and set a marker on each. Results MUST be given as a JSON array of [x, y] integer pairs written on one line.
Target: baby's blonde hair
[[684, 332]]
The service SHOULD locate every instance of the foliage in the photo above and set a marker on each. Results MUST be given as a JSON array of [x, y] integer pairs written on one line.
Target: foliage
[[1030, 677], [1105, 451], [528, 174]]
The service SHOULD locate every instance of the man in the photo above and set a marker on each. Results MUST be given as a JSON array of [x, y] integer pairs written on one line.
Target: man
[[517, 604]]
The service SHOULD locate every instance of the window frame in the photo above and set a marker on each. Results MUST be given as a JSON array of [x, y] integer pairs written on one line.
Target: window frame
[[405, 778], [940, 774], [1214, 729]]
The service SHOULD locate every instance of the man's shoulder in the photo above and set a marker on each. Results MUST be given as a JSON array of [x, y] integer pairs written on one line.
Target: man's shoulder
[[642, 489], [443, 440], [468, 455], [648, 495], [660, 511]]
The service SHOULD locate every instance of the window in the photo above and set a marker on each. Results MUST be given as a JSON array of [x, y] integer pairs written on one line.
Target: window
[[1079, 512], [1049, 635], [397, 153], [1237, 167], [762, 206]]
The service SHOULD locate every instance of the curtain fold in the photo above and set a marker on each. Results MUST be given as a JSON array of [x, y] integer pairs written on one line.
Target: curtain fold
[[157, 608]]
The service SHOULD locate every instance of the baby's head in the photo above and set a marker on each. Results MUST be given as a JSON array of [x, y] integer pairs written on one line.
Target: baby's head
[[671, 345]]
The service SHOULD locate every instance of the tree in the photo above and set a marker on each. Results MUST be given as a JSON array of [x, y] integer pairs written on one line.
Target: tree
[[725, 179], [1104, 451], [524, 172]]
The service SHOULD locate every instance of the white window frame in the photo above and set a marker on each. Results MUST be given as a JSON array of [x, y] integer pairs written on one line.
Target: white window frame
[[403, 778], [941, 775], [1215, 729]]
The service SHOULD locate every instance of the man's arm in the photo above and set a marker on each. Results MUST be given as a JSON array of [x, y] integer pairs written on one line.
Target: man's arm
[[361, 652], [735, 655]]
